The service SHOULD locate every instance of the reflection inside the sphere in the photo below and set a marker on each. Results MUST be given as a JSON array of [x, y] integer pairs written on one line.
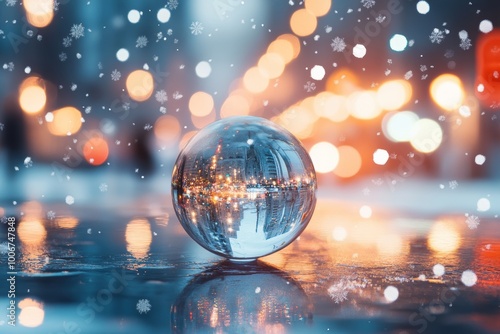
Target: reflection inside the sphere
[[244, 189], [245, 298]]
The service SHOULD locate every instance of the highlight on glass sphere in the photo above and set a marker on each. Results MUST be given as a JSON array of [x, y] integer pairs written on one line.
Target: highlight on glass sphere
[[244, 187]]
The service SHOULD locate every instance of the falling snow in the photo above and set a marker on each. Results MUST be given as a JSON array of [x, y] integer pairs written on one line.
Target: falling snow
[[338, 44], [408, 75], [11, 3], [472, 222], [103, 187], [172, 4], [453, 184], [380, 18], [1, 126], [115, 75], [9, 66], [141, 42], [436, 36], [177, 95], [51, 215], [148, 127], [368, 3], [28, 162], [161, 96], [338, 292], [67, 42], [310, 86], [143, 306], [77, 31], [63, 56], [196, 28], [465, 44]]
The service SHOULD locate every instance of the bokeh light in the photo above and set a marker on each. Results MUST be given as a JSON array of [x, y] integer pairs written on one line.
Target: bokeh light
[[447, 91], [318, 72], [397, 126], [122, 54], [331, 106], [294, 42], [134, 16], [235, 105], [163, 15], [32, 313], [140, 85], [318, 7], [423, 7], [426, 135], [138, 237], [39, 13], [203, 69], [363, 105], [444, 237], [359, 51], [303, 22], [393, 94], [201, 104], [271, 65], [167, 129], [96, 150], [325, 157], [398, 42], [255, 81], [31, 231], [32, 95], [65, 121], [349, 162]]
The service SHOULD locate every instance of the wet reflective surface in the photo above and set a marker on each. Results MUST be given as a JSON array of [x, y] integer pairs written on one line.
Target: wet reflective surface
[[244, 187], [93, 271]]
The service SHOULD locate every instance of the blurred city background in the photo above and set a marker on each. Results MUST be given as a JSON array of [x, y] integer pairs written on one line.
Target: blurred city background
[[379, 92]]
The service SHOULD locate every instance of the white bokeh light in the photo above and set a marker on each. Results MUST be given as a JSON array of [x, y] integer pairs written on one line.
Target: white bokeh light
[[398, 42], [365, 211], [163, 15], [483, 204], [469, 278], [397, 126], [485, 26], [325, 157], [438, 270], [203, 69], [122, 54], [380, 157], [359, 51], [423, 7], [391, 294], [339, 233], [318, 72], [480, 159], [134, 16]]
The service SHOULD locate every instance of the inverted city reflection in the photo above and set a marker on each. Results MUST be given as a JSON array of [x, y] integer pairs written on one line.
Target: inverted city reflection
[[249, 298]]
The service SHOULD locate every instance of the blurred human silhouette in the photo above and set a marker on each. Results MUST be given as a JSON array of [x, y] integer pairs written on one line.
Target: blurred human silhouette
[[13, 137]]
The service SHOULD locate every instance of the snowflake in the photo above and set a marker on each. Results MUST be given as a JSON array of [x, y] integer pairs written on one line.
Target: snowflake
[[172, 4], [328, 29], [63, 56], [77, 31], [67, 41], [143, 306], [28, 162], [177, 95], [472, 222], [51, 215], [9, 67], [103, 187], [436, 36], [170, 32], [196, 28], [11, 3], [465, 44], [338, 44], [161, 96], [366, 191], [56, 5], [453, 184], [338, 292], [309, 86], [408, 75], [3, 220], [368, 3], [141, 42], [115, 75], [163, 110], [380, 18], [148, 127]]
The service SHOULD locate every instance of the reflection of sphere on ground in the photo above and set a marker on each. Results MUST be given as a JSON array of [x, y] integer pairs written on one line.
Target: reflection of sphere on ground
[[243, 298], [244, 187]]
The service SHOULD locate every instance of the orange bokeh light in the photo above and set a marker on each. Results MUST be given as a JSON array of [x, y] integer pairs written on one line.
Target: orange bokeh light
[[235, 105], [66, 121], [349, 162], [318, 7], [32, 95], [140, 85], [96, 151], [303, 22], [394, 94], [271, 65], [294, 42], [283, 47], [201, 104], [255, 81], [167, 129], [39, 13]]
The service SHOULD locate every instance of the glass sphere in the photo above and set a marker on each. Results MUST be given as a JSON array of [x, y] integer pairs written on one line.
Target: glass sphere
[[244, 187]]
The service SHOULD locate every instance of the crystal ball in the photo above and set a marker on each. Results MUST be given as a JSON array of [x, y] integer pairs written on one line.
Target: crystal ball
[[244, 187]]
